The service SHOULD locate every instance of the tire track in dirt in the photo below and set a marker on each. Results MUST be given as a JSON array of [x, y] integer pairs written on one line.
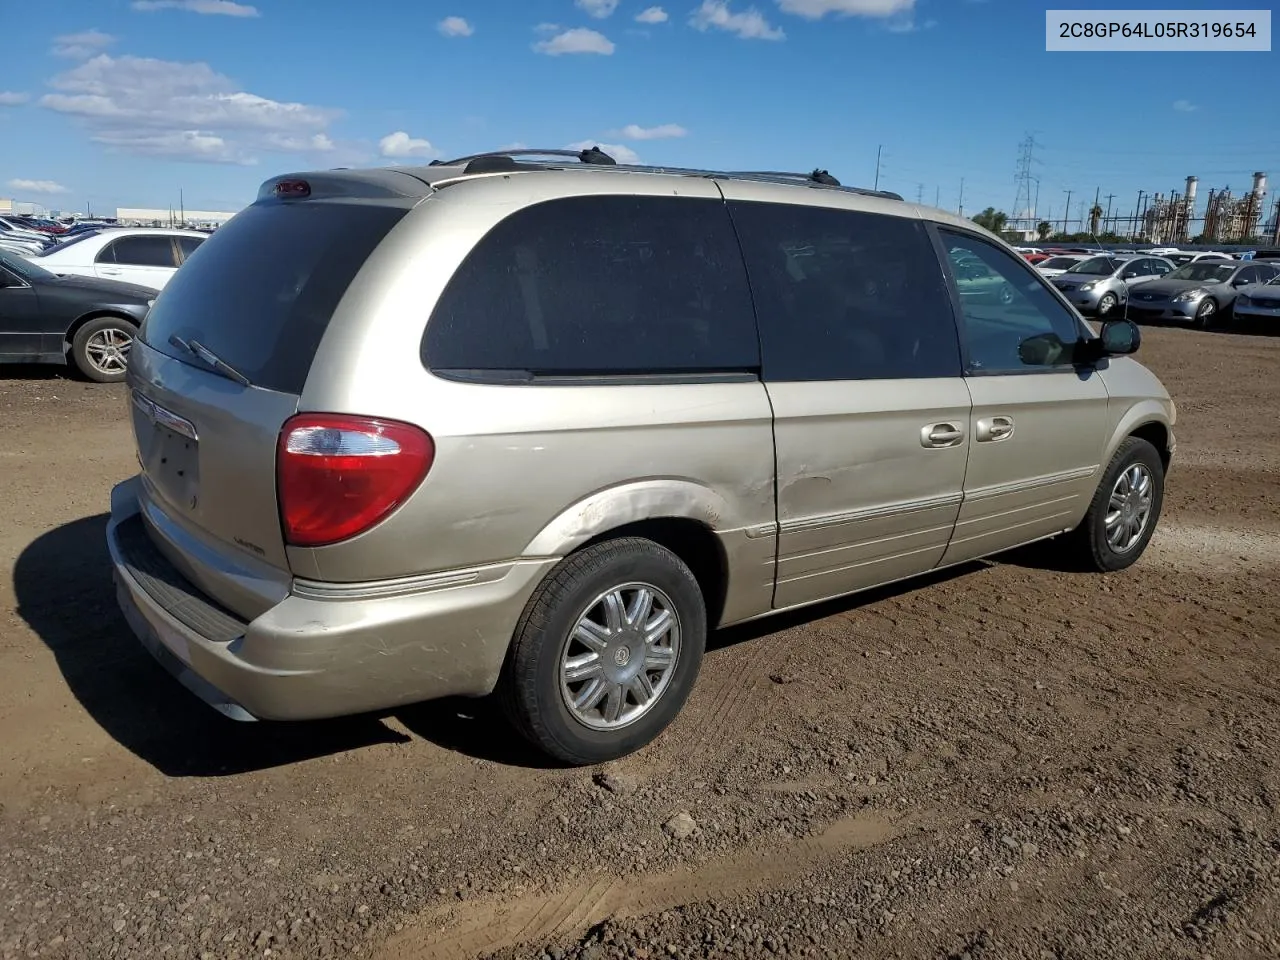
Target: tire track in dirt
[[481, 927]]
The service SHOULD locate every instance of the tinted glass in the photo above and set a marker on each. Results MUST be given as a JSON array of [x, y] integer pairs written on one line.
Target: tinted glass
[[845, 295], [1159, 268], [1204, 271], [1059, 263], [188, 245], [1097, 266], [1004, 303], [141, 252], [25, 268], [264, 287], [599, 285]]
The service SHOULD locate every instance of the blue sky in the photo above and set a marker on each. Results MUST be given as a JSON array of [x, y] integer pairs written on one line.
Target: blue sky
[[126, 102]]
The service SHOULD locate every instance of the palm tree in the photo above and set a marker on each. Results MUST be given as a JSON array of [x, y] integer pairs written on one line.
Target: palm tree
[[992, 219], [1095, 215], [1043, 229]]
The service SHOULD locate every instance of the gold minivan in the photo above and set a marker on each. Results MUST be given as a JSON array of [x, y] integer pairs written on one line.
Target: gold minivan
[[534, 423]]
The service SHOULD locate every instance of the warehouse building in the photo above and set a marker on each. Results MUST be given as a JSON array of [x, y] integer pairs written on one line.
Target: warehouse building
[[141, 217]]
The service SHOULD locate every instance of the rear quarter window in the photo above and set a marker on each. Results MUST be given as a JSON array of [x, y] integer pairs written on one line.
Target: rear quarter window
[[262, 291], [598, 286]]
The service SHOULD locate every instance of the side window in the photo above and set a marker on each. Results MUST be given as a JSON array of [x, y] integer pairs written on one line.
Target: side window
[[1136, 268], [189, 245], [846, 295], [1159, 267], [599, 285], [153, 251], [1012, 322], [107, 254]]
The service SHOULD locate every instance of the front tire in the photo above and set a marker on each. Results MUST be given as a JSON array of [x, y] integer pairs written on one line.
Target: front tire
[[1107, 304], [1207, 314], [1125, 509], [605, 652], [100, 348]]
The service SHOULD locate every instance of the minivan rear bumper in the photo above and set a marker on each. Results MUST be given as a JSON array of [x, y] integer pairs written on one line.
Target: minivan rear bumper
[[327, 649]]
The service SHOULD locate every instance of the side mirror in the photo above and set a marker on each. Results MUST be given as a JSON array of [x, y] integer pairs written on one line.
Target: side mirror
[[1119, 338], [1043, 350]]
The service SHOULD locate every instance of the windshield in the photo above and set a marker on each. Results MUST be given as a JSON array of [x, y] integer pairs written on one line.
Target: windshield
[[1097, 266], [1058, 263], [63, 244], [1203, 271], [25, 268]]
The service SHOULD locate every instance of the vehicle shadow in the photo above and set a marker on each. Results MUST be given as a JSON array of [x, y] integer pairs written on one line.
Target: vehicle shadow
[[38, 371], [64, 590]]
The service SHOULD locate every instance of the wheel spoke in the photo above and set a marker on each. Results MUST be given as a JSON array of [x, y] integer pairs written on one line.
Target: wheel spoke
[[591, 694], [613, 703], [641, 605], [658, 658], [614, 611], [1114, 534], [591, 635], [583, 667], [658, 626], [641, 688]]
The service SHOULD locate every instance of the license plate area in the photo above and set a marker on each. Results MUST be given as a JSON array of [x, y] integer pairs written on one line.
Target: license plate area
[[169, 451]]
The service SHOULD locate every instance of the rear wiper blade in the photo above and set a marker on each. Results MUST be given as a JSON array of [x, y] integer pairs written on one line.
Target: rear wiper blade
[[198, 349]]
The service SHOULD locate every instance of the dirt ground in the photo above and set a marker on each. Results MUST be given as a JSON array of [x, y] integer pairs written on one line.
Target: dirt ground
[[1004, 761]]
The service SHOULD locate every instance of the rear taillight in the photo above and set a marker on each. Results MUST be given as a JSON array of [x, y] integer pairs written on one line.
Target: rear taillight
[[338, 475]]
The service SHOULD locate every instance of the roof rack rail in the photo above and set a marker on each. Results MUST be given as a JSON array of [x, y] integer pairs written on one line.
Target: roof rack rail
[[817, 176], [495, 161]]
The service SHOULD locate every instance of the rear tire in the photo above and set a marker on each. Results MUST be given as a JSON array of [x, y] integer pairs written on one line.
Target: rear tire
[[100, 348], [1115, 531], [549, 685]]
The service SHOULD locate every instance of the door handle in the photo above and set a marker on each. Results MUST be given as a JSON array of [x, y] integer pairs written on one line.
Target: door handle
[[991, 429], [938, 435], [111, 272]]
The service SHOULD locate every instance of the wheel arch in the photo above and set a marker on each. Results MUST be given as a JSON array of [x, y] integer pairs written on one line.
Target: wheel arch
[[69, 337], [687, 518], [1147, 421]]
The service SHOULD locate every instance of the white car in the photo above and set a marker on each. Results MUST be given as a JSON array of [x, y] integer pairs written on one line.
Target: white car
[[1059, 263], [142, 255]]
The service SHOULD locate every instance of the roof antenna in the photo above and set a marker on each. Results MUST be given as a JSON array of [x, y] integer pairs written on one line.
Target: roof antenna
[[597, 156], [824, 178]]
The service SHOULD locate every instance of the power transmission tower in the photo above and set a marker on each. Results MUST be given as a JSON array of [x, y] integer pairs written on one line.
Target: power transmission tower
[[960, 206], [1107, 217], [1022, 200], [919, 193], [1066, 213]]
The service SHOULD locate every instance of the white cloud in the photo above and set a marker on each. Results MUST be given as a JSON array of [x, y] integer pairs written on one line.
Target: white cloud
[[81, 46], [10, 98], [184, 111], [577, 40], [400, 144], [545, 28], [455, 27], [37, 186], [597, 8], [907, 24], [750, 25], [652, 15], [619, 152], [633, 131], [224, 8], [817, 9], [1184, 106]]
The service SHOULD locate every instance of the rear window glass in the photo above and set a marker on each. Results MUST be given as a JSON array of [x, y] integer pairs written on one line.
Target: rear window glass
[[598, 285], [262, 290]]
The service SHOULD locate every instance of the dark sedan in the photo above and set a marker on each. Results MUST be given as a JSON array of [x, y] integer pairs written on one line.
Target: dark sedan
[[82, 321], [1201, 292]]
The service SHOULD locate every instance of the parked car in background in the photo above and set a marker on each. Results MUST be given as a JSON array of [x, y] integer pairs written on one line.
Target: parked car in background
[[14, 232], [1100, 284], [1259, 302], [1059, 263], [1201, 293], [724, 395], [148, 256], [1179, 259], [86, 322]]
